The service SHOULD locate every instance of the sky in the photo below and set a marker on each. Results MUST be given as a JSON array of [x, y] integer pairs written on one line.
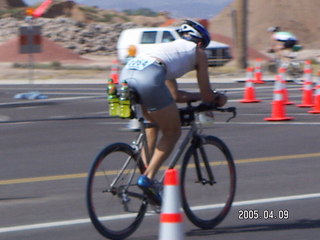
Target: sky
[[189, 8]]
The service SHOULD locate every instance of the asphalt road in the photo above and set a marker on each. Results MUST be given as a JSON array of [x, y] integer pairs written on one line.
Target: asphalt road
[[46, 148]]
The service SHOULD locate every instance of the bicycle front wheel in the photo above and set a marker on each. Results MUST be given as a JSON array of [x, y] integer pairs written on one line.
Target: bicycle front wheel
[[208, 182], [115, 204]]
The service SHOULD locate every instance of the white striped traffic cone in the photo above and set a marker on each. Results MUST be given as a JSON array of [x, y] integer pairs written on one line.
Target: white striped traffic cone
[[307, 65], [114, 75], [307, 94], [282, 79], [278, 107], [171, 219], [249, 95], [316, 107], [258, 72]]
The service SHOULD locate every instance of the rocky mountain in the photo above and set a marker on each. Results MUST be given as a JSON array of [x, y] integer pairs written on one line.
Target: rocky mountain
[[81, 38], [86, 29], [83, 29], [7, 4]]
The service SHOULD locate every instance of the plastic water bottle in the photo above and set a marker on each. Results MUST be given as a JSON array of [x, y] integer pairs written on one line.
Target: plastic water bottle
[[113, 99], [206, 118], [124, 101]]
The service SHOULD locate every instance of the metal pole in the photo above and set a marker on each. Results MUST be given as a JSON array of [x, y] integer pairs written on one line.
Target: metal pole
[[31, 62], [31, 68], [241, 39], [234, 31]]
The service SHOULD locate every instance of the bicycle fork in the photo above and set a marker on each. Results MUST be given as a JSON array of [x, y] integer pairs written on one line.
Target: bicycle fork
[[207, 177]]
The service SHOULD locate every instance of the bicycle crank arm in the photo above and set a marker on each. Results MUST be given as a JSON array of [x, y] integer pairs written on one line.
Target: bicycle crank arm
[[204, 182]]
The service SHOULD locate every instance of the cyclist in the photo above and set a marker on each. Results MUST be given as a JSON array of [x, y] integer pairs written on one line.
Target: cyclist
[[281, 41], [153, 76]]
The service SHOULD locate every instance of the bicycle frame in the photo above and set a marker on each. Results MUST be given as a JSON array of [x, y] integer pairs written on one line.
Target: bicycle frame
[[192, 132], [286, 60], [141, 143]]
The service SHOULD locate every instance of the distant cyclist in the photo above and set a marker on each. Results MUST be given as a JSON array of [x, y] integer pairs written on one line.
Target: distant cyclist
[[153, 76], [281, 40]]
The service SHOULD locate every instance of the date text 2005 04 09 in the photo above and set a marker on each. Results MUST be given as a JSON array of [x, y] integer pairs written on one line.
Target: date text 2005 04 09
[[254, 214]]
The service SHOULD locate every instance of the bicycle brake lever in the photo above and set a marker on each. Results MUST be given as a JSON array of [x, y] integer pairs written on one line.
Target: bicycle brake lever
[[234, 111]]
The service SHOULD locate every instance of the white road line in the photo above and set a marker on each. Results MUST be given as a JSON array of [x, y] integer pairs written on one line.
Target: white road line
[[234, 123], [52, 99], [271, 123], [124, 216]]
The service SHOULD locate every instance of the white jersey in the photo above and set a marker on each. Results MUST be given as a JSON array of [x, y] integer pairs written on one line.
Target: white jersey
[[284, 36], [179, 57]]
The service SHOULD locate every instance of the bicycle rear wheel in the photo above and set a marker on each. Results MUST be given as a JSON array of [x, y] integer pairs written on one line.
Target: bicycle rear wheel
[[115, 204], [208, 182], [295, 72]]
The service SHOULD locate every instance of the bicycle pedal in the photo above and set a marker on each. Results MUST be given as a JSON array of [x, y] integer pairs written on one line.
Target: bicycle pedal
[[152, 199], [125, 199]]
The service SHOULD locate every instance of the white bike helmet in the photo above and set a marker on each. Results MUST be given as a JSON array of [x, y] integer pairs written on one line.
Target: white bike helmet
[[196, 31], [273, 29]]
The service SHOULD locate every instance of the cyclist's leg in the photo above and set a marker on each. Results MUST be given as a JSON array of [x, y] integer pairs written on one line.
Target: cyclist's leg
[[168, 121], [278, 50], [162, 110], [152, 136]]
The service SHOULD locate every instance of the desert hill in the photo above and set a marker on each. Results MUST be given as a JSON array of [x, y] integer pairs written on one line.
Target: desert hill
[[7, 4], [50, 52], [298, 16]]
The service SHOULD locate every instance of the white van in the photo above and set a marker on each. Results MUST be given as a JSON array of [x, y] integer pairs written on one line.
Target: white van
[[139, 40]]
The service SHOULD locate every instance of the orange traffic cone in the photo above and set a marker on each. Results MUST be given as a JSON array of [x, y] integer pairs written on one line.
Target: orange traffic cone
[[249, 94], [307, 65], [316, 108], [114, 75], [282, 78], [278, 107], [171, 219], [307, 95], [258, 72], [306, 68]]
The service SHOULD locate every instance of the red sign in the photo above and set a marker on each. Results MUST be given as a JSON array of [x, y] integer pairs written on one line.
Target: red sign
[[30, 39]]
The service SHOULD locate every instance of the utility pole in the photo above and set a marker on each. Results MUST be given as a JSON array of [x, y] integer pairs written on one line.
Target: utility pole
[[241, 33]]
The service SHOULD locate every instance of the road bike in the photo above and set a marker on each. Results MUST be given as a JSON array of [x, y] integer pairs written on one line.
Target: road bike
[[117, 206], [293, 66]]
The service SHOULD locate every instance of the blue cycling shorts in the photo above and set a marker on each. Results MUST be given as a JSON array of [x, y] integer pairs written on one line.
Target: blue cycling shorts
[[149, 82]]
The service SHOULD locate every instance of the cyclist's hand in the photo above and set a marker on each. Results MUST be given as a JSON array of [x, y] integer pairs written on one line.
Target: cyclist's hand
[[221, 99], [217, 99]]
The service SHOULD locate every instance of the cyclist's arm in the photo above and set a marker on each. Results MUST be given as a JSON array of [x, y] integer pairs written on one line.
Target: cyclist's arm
[[203, 77], [181, 96], [207, 94]]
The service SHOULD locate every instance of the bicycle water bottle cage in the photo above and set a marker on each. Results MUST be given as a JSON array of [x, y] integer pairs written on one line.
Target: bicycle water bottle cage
[[134, 101], [134, 96], [296, 48]]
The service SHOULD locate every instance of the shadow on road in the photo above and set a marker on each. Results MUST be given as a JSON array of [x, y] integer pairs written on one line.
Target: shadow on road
[[300, 224]]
